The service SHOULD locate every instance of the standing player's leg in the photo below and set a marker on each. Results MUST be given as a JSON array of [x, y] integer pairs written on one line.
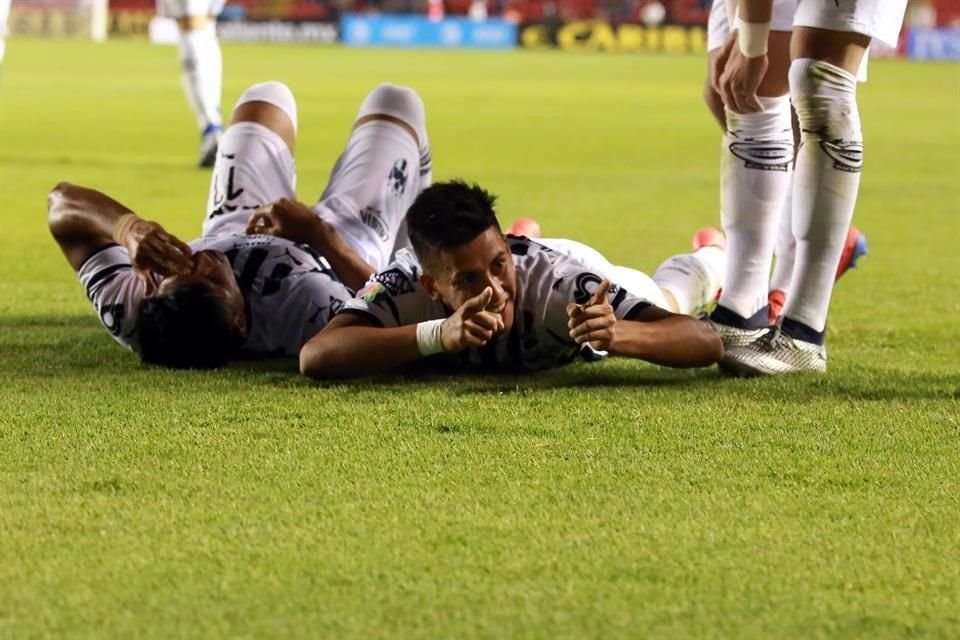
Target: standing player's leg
[[255, 164], [385, 164], [201, 64], [829, 44], [784, 251], [756, 161]]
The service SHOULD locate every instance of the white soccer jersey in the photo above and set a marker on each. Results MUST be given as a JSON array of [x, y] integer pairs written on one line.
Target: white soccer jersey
[[290, 290], [547, 281]]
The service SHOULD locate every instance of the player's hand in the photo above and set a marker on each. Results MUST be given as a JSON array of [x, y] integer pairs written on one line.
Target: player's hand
[[739, 81], [719, 62], [153, 250], [593, 322], [288, 219], [472, 325]]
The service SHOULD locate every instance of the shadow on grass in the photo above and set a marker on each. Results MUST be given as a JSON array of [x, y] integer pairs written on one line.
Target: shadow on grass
[[75, 346], [860, 384]]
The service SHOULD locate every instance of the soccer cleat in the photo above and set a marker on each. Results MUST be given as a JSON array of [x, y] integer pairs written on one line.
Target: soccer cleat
[[854, 248], [208, 146], [709, 237], [775, 301], [735, 336], [526, 227], [774, 353]]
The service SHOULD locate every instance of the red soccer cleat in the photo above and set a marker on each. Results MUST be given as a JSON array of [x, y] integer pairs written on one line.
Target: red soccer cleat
[[709, 237], [525, 227], [853, 249], [775, 301]]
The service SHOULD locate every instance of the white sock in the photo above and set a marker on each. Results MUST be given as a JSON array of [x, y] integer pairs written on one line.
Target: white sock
[[785, 249], [272, 92], [404, 104], [755, 179], [202, 73], [825, 188], [693, 279]]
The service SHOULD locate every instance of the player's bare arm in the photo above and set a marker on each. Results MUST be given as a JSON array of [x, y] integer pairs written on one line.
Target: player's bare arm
[[84, 220], [668, 339], [746, 63], [352, 345], [296, 221]]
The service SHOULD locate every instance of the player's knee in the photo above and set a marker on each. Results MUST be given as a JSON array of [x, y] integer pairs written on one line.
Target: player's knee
[[714, 103], [399, 102], [825, 98], [275, 93], [762, 140]]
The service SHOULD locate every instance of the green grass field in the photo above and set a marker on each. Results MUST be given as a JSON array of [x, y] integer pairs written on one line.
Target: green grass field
[[617, 500]]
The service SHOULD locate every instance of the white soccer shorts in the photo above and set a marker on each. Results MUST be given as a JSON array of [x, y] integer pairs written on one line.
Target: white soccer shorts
[[189, 8], [718, 31], [879, 19]]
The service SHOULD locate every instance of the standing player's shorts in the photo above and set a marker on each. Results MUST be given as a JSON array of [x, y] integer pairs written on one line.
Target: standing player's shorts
[[189, 8], [4, 14], [372, 185], [718, 30], [879, 19]]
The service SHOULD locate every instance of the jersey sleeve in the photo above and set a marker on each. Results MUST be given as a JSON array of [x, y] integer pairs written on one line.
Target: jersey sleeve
[[394, 298], [115, 292], [575, 283], [308, 308]]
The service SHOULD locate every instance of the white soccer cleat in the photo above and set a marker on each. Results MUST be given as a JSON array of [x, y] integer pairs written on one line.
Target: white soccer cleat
[[735, 336], [774, 353], [208, 146]]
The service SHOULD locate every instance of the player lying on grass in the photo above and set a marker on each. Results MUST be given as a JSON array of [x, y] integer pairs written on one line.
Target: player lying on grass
[[510, 302], [230, 294]]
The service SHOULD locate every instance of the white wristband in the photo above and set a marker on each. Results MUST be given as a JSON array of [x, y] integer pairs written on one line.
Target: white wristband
[[752, 38], [428, 337]]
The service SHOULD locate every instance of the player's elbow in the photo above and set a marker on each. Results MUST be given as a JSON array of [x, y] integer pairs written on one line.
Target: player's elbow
[[317, 358], [55, 207], [311, 361], [711, 345]]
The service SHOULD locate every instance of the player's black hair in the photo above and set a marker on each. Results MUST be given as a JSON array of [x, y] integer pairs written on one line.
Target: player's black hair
[[446, 215], [187, 328]]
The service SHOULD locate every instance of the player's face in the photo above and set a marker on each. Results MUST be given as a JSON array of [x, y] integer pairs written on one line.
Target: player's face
[[212, 269], [483, 262]]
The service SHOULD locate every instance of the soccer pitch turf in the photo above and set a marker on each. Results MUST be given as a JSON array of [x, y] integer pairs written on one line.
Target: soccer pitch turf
[[598, 501]]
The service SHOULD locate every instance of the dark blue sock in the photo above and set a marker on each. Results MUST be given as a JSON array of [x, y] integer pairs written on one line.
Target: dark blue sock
[[759, 320], [800, 331]]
